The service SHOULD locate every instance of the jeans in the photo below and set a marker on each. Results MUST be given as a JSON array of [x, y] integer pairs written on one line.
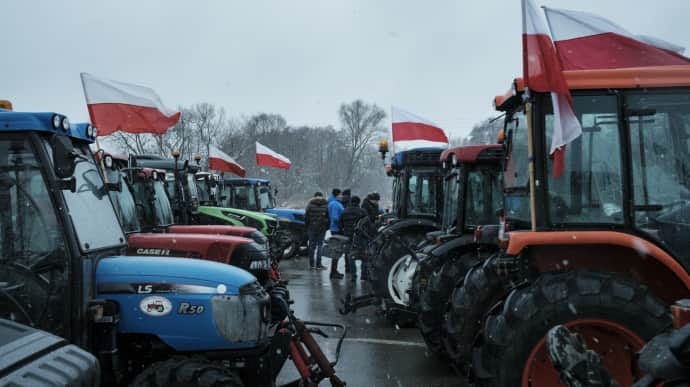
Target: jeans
[[315, 244]]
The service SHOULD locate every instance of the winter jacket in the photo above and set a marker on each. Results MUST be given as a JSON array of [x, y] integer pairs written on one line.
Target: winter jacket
[[316, 215], [349, 218], [371, 209], [335, 208]]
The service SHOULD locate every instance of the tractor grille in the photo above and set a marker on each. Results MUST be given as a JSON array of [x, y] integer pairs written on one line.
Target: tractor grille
[[422, 157], [272, 225], [490, 154]]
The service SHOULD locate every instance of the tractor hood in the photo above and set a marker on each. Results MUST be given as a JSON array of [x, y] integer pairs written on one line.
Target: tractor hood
[[242, 231], [125, 274], [291, 214], [214, 247]]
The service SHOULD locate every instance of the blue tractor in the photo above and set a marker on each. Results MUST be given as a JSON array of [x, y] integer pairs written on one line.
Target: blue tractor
[[150, 321], [256, 195]]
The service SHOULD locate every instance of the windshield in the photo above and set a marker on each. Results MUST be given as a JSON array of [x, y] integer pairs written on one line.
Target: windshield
[[124, 203], [34, 263], [422, 191], [483, 196], [590, 189], [660, 145], [203, 184], [450, 207], [265, 197], [164, 213], [92, 213], [242, 197], [516, 174]]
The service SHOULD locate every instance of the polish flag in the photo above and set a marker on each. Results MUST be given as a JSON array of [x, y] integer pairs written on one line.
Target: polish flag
[[220, 161], [586, 41], [411, 131], [122, 106], [543, 73], [268, 158]]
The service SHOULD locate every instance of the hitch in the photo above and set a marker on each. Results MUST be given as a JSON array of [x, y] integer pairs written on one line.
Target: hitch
[[350, 304]]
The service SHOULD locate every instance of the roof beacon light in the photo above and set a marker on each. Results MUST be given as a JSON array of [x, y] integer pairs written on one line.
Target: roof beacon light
[[5, 104], [383, 148], [197, 158], [176, 154]]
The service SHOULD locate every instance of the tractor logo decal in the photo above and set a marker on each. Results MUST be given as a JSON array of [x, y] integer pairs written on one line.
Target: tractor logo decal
[[153, 251], [155, 306]]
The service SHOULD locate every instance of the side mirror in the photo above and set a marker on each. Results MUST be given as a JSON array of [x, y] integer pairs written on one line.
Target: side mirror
[[63, 157]]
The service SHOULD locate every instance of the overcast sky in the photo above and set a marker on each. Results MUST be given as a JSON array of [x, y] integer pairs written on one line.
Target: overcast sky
[[443, 60]]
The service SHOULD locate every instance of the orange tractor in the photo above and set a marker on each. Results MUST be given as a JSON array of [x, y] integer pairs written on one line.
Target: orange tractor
[[603, 249]]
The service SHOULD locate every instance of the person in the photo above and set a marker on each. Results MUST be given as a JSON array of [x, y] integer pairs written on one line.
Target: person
[[335, 208], [371, 206], [347, 195], [348, 224], [317, 222]]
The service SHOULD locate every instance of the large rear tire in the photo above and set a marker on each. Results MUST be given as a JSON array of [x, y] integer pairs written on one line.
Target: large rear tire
[[469, 303], [615, 316], [433, 301], [383, 263], [186, 371]]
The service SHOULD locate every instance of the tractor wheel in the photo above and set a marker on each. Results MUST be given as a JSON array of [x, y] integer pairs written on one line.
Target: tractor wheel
[[433, 301], [390, 271], [184, 371], [468, 305], [615, 317]]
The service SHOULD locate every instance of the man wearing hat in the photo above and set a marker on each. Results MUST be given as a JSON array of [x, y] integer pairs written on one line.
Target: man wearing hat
[[371, 206]]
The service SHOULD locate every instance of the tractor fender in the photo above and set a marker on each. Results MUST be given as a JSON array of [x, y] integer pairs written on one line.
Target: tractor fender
[[411, 223], [617, 252], [184, 302], [463, 242]]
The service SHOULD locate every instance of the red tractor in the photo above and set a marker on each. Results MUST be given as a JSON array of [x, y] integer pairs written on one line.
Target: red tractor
[[603, 249], [140, 199]]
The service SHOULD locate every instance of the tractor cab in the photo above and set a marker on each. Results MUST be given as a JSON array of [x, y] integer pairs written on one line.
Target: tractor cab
[[417, 184], [208, 188], [257, 195]]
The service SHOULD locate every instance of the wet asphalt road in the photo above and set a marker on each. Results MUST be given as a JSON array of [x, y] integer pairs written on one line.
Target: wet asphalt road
[[375, 353]]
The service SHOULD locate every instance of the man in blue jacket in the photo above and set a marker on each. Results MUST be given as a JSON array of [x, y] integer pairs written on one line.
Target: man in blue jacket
[[335, 208]]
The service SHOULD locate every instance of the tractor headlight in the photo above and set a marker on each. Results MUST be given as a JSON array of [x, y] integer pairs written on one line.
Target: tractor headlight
[[254, 258], [243, 317], [108, 161], [65, 124], [56, 121], [89, 131]]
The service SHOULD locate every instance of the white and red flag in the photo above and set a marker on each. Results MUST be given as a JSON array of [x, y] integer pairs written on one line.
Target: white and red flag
[[411, 131], [267, 157], [123, 106], [585, 41], [220, 161], [542, 72]]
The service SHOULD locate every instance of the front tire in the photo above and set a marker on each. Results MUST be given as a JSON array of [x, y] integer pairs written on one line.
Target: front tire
[[614, 315], [182, 372]]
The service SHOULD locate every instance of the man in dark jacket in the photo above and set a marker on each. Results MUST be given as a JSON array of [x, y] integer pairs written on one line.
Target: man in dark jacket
[[371, 206], [317, 222], [348, 223], [347, 196]]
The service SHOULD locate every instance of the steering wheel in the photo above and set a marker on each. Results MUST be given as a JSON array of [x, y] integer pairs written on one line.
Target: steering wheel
[[9, 290]]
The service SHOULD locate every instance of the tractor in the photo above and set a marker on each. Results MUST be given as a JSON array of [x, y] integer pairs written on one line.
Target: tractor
[[184, 194], [601, 248], [151, 321], [390, 262], [469, 234], [256, 195], [417, 207], [133, 210]]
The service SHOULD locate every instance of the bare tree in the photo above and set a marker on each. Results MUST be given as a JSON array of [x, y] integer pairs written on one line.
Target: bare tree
[[361, 123]]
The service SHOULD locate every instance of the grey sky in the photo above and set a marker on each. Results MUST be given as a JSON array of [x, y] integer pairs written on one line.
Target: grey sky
[[443, 60]]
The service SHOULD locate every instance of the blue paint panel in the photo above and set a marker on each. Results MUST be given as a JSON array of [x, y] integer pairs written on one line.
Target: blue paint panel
[[397, 160], [288, 213], [11, 121], [249, 180], [181, 332]]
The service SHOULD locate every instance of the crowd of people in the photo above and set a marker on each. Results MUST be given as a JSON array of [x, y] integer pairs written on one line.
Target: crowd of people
[[339, 214]]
